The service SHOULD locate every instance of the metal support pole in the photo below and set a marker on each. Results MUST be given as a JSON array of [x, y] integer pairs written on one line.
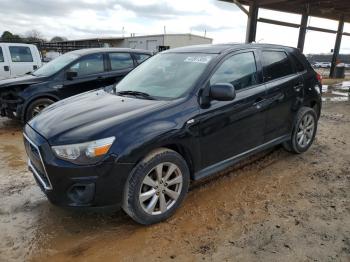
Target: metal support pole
[[302, 31], [252, 22], [337, 47]]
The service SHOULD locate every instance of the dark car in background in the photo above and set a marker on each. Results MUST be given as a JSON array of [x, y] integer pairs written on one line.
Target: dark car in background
[[70, 74], [182, 115]]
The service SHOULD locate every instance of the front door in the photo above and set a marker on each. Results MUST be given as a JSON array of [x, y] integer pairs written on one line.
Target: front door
[[228, 129], [91, 74], [4, 66]]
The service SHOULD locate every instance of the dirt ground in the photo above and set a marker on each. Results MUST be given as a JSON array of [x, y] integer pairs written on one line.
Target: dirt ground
[[275, 207]]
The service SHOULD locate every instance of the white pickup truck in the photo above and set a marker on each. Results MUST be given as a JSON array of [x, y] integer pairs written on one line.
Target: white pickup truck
[[18, 59]]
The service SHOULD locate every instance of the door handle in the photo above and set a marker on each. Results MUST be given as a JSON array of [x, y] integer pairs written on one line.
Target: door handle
[[258, 101], [298, 87], [6, 68]]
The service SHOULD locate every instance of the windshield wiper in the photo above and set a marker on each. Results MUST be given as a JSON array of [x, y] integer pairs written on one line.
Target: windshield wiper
[[135, 93]]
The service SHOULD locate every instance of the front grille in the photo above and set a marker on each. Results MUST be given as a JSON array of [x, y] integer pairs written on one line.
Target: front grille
[[36, 164]]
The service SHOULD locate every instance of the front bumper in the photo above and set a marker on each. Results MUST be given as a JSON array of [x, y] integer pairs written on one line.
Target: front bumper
[[11, 108], [69, 185]]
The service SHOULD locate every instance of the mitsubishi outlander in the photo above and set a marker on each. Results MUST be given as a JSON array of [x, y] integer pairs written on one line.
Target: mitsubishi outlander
[[180, 116]]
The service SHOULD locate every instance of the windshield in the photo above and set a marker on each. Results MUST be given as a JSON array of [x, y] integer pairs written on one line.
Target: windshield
[[55, 65], [168, 75]]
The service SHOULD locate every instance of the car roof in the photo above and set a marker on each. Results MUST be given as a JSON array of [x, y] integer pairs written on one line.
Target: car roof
[[15, 44], [109, 49], [222, 48]]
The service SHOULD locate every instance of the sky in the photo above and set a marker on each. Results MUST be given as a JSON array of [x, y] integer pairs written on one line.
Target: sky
[[224, 22]]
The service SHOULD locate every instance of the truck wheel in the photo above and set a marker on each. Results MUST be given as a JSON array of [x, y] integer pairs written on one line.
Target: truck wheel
[[36, 107], [156, 187], [304, 131]]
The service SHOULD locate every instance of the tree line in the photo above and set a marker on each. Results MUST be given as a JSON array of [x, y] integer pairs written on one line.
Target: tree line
[[30, 36]]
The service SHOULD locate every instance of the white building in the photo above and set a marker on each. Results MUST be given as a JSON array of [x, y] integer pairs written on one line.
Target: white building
[[154, 43], [157, 43]]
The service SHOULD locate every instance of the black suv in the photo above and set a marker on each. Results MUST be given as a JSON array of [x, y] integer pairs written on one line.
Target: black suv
[[182, 115], [70, 74]]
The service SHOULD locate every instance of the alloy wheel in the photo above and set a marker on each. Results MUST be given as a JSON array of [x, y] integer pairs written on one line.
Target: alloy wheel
[[305, 130], [38, 109], [161, 188]]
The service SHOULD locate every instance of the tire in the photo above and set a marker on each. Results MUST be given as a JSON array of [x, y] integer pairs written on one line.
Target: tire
[[304, 131], [36, 107], [143, 198]]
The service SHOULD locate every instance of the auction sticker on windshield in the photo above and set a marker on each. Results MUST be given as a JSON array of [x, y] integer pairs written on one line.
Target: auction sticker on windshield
[[198, 59]]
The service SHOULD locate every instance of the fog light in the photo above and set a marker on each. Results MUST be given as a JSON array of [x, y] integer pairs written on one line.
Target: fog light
[[81, 193]]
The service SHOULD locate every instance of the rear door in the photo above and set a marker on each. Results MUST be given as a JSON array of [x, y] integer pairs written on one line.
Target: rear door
[[119, 65], [284, 88], [4, 65], [21, 59], [228, 129], [91, 74], [36, 57]]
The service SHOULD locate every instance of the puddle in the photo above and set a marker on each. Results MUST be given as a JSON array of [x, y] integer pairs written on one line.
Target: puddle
[[343, 86], [336, 93], [324, 88], [335, 99]]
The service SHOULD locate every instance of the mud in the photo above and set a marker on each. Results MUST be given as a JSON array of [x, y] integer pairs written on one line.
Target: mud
[[273, 207]]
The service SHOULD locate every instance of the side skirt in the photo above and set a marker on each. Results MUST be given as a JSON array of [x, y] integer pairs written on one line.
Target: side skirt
[[235, 159]]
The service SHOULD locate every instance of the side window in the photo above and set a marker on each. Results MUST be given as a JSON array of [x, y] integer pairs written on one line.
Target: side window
[[88, 65], [299, 65], [1, 56], [141, 57], [121, 61], [239, 70], [276, 64], [21, 54]]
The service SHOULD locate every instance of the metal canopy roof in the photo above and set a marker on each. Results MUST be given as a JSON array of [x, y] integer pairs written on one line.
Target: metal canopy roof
[[331, 9]]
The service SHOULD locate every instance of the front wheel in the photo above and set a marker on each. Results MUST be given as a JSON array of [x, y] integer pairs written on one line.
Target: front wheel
[[36, 107], [304, 131], [156, 187]]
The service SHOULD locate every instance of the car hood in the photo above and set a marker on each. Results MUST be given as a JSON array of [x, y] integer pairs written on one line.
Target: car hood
[[87, 116], [21, 80]]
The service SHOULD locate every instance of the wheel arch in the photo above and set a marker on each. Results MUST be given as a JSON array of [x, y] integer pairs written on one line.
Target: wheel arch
[[316, 105], [32, 99], [178, 148], [185, 153]]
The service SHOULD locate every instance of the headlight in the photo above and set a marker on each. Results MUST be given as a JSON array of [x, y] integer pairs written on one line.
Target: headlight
[[85, 153]]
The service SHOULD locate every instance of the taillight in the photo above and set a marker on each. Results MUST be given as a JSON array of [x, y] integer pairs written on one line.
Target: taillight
[[319, 78]]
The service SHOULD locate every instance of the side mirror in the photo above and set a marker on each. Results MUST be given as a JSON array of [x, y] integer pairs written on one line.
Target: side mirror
[[222, 92], [71, 74]]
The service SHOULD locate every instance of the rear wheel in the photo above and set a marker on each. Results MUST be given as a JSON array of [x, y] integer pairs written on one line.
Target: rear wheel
[[36, 107], [156, 187], [304, 131]]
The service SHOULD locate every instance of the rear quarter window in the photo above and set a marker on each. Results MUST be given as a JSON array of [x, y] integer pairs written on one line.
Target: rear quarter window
[[141, 57], [20, 54], [120, 61], [298, 64], [1, 55], [276, 64]]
